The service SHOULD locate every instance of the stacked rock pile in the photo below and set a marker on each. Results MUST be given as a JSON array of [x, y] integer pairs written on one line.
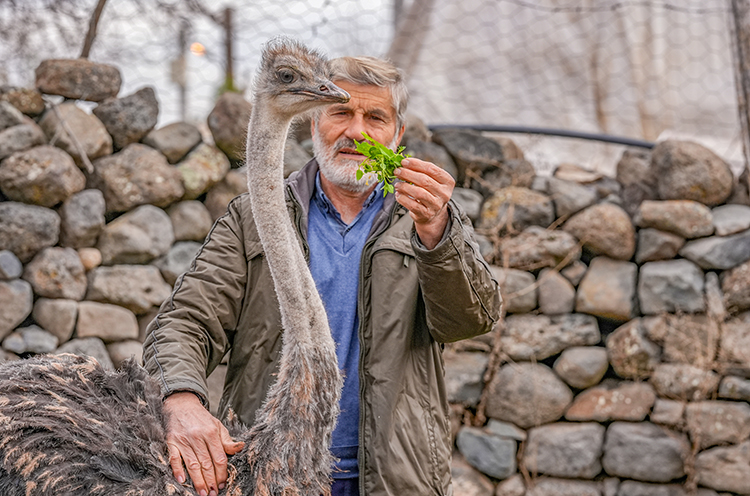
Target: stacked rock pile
[[621, 369]]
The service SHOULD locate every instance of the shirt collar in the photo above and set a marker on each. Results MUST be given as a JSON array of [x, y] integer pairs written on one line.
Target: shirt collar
[[326, 206]]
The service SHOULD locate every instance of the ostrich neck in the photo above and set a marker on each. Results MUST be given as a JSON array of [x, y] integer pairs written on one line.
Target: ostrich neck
[[299, 302]]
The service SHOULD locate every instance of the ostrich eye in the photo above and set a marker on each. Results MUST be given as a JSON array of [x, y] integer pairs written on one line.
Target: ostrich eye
[[286, 76]]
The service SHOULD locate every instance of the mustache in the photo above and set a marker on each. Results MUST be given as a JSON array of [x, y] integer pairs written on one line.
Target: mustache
[[342, 143]]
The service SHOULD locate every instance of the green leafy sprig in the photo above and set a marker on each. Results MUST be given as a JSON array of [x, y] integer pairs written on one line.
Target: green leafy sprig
[[381, 160]]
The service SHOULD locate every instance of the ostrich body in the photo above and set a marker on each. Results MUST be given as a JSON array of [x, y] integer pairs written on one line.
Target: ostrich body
[[68, 427]]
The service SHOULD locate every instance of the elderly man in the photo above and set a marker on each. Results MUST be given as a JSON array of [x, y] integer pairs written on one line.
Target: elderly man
[[399, 276]]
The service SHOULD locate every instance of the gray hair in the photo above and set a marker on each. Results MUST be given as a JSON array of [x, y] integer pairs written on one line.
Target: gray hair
[[371, 71]]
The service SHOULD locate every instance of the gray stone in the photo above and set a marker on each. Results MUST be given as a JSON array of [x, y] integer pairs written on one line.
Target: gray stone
[[684, 381], [432, 152], [471, 150], [9, 115], [57, 316], [295, 156], [87, 130], [123, 350], [201, 169], [612, 400], [57, 273], [735, 285], [468, 481], [43, 175], [725, 468], [519, 173], [130, 118], [574, 272], [136, 237], [191, 220], [506, 430], [26, 229], [78, 79], [135, 287], [135, 176], [514, 209], [711, 423], [228, 124], [735, 388], [512, 486], [734, 346], [486, 246], [19, 138], [537, 247], [669, 413], [32, 339], [610, 486], [570, 197], [28, 100], [556, 294], [548, 486], [565, 450], [82, 218], [731, 219], [576, 173], [517, 287], [10, 266], [415, 129], [582, 366], [93, 347], [463, 376], [470, 201], [218, 197], [177, 260], [630, 353], [656, 245], [689, 171], [635, 488], [685, 218], [645, 452], [16, 303], [670, 286], [719, 252], [174, 140], [490, 454], [540, 184], [106, 322], [608, 289], [527, 394], [604, 229], [528, 337], [91, 258]]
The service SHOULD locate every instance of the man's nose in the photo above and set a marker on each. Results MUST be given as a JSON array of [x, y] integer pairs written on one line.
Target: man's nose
[[355, 128]]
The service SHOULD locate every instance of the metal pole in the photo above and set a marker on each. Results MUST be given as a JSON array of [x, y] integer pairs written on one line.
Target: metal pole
[[740, 24]]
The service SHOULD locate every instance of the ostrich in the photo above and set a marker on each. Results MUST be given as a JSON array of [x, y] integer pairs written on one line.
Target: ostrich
[[68, 427]]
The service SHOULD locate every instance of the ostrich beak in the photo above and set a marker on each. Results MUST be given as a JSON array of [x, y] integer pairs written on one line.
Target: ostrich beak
[[326, 91]]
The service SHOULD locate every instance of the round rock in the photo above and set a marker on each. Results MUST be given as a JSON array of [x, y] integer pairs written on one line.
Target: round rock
[[43, 175], [630, 353], [57, 273], [731, 219], [630, 401], [488, 453], [26, 229], [16, 303], [87, 129], [78, 79], [711, 423], [19, 138], [608, 289], [136, 237], [556, 294], [32, 339], [670, 286], [537, 247], [93, 347], [191, 220], [9, 116], [684, 381], [10, 266], [527, 394], [517, 287], [725, 468], [529, 336], [565, 450], [685, 218], [218, 197], [28, 100], [515, 209], [82, 218], [57, 316], [177, 260], [123, 350], [174, 140], [135, 287], [201, 169], [582, 366], [655, 245], [228, 124], [106, 322], [463, 376], [130, 118], [604, 229], [689, 171]]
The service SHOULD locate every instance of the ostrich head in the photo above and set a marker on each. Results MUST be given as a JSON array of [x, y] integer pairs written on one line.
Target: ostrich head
[[294, 79]]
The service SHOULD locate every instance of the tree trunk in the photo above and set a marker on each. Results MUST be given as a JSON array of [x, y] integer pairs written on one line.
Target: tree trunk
[[741, 28], [93, 23]]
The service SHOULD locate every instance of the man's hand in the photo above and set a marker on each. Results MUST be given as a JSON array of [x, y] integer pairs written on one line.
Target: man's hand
[[198, 439], [425, 193]]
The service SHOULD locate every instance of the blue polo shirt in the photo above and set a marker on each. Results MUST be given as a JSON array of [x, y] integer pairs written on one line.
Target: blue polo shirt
[[335, 253]]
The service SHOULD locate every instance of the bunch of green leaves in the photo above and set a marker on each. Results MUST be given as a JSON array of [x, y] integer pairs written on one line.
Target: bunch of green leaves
[[381, 160]]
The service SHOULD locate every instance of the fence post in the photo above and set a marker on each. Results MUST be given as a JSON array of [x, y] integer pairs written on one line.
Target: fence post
[[741, 25]]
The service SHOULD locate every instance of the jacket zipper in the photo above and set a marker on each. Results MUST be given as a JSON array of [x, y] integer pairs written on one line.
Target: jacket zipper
[[366, 260]]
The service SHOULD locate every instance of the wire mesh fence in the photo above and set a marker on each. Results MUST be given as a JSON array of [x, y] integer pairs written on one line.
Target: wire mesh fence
[[638, 68]]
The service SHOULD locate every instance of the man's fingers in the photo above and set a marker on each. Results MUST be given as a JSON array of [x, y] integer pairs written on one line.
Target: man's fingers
[[231, 447], [175, 461]]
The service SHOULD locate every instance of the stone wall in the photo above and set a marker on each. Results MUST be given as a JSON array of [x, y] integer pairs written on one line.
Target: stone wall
[[622, 367]]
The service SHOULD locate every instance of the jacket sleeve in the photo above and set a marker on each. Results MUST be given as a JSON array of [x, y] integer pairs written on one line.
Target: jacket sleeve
[[461, 296], [188, 338]]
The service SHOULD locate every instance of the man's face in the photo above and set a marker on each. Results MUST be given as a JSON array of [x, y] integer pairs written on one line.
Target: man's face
[[370, 109]]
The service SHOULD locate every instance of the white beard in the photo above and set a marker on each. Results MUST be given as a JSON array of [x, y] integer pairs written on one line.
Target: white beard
[[339, 171]]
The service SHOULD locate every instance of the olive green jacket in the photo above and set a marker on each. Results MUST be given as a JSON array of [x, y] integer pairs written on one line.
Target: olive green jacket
[[411, 300]]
